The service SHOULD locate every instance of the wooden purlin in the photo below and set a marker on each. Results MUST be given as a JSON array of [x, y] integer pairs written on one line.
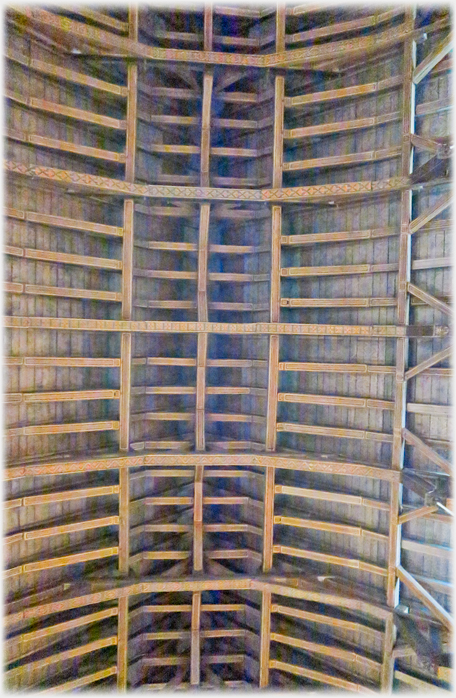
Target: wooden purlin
[[293, 58], [313, 193]]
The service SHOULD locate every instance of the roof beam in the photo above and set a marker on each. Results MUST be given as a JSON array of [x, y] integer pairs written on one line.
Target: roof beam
[[425, 597], [433, 58]]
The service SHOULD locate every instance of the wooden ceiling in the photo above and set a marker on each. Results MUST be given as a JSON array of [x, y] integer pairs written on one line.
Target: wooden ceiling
[[227, 301]]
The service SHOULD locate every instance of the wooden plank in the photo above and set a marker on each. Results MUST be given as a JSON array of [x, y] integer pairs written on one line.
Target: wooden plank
[[333, 431], [200, 416], [62, 222], [342, 27], [69, 112], [325, 620], [64, 528], [111, 185], [388, 657], [419, 684], [66, 74], [61, 292], [65, 146], [350, 499], [330, 559], [20, 673], [195, 672], [339, 368], [64, 258], [198, 541], [433, 58], [319, 676], [429, 299], [23, 641], [421, 548], [343, 236], [85, 680], [64, 561], [268, 519], [103, 18], [304, 463], [416, 514], [427, 451], [425, 597], [430, 213], [265, 638], [208, 81], [328, 526], [330, 650], [344, 92], [427, 363], [62, 428], [339, 127], [336, 400], [81, 362], [277, 156], [340, 160], [68, 495], [62, 396], [124, 518], [125, 390], [338, 270]]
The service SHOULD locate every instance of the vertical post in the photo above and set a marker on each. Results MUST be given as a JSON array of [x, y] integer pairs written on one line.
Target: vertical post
[[125, 357], [273, 374], [195, 673], [208, 81], [208, 27], [122, 644], [388, 661], [265, 639], [403, 303]]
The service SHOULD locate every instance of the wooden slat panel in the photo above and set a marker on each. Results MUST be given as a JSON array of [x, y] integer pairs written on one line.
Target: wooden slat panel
[[70, 112], [325, 620], [66, 74], [63, 396], [332, 559], [83, 680], [338, 127], [338, 270], [65, 146], [62, 428], [333, 431], [342, 93], [22, 671], [62, 222], [325, 650], [62, 561], [64, 258], [336, 400], [325, 367], [343, 236], [319, 676], [64, 528], [332, 497], [36, 290]]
